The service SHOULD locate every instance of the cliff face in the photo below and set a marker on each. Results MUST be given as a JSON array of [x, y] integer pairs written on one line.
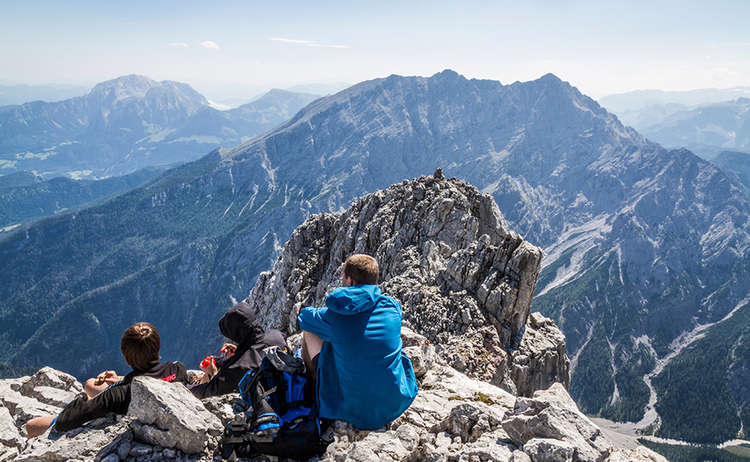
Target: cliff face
[[465, 281], [492, 377]]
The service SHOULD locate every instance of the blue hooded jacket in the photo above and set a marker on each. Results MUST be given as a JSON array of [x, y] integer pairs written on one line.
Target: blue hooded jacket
[[363, 377]]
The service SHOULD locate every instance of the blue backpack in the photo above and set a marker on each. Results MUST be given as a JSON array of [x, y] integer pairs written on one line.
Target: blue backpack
[[282, 415]]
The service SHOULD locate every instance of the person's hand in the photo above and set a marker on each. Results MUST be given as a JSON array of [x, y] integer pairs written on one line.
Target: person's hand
[[228, 349], [203, 378], [108, 377], [209, 367]]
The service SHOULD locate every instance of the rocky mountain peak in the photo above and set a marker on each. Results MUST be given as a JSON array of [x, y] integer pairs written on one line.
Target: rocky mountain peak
[[165, 96], [127, 86]]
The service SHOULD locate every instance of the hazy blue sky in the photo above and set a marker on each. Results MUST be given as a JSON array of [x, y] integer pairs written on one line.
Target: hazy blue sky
[[675, 45]]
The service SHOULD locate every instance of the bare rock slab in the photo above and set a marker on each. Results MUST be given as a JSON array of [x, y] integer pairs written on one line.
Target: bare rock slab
[[48, 377], [170, 416], [9, 434], [92, 441]]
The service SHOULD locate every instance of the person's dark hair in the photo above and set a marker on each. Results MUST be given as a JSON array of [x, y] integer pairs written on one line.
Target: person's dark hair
[[363, 269], [140, 345]]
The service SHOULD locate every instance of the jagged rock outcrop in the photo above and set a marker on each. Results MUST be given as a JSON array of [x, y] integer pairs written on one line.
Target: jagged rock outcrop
[[464, 280], [466, 285]]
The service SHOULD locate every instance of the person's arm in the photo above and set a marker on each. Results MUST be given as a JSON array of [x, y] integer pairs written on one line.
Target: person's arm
[[81, 410], [315, 320], [221, 384]]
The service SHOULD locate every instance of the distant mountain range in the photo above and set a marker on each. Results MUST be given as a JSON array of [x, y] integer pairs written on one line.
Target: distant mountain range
[[708, 129], [645, 248], [20, 93], [641, 99], [129, 123], [705, 121]]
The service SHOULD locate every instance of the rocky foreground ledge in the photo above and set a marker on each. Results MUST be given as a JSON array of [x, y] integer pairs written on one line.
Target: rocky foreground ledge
[[492, 377]]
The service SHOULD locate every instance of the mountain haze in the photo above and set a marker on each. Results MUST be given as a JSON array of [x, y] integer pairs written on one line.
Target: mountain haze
[[707, 129], [129, 123], [641, 244]]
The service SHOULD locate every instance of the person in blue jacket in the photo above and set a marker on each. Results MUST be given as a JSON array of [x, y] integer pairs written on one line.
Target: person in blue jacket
[[353, 348]]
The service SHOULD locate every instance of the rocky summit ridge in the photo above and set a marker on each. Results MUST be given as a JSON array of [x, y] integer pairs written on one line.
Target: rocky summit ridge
[[492, 377]]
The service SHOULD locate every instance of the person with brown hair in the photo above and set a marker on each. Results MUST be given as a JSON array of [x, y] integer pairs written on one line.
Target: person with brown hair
[[352, 347], [140, 345]]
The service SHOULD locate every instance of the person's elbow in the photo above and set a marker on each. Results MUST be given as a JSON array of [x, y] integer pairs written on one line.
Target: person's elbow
[[62, 424]]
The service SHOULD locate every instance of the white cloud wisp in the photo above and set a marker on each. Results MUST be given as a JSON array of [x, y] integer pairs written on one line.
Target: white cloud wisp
[[307, 43], [210, 45]]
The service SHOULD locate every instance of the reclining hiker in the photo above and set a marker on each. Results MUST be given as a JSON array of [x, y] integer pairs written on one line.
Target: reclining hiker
[[241, 326], [353, 348], [140, 345]]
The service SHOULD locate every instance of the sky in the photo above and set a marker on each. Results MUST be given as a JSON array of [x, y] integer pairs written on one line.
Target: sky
[[234, 46]]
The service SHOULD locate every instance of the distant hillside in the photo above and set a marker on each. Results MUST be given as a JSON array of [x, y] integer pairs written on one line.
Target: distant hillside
[[130, 123], [736, 165], [25, 197]]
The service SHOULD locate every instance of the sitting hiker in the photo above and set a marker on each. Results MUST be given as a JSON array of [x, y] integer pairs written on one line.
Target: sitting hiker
[[140, 346], [353, 348], [241, 326]]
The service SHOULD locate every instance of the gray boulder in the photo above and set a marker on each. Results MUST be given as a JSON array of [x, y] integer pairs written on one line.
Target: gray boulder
[[552, 414], [48, 377], [168, 415], [549, 450]]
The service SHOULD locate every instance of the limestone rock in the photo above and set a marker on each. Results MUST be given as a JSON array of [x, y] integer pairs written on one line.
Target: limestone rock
[[93, 440], [48, 377], [552, 414], [10, 437], [170, 416], [221, 406], [549, 450], [52, 396], [8, 453], [639, 453], [540, 360], [24, 408], [419, 350], [457, 418], [44, 393]]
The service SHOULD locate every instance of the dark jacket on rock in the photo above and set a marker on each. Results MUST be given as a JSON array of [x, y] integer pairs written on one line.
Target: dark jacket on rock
[[241, 326], [116, 398]]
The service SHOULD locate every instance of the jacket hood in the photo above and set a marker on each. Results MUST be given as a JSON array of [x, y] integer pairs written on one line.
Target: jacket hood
[[240, 325], [353, 299]]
